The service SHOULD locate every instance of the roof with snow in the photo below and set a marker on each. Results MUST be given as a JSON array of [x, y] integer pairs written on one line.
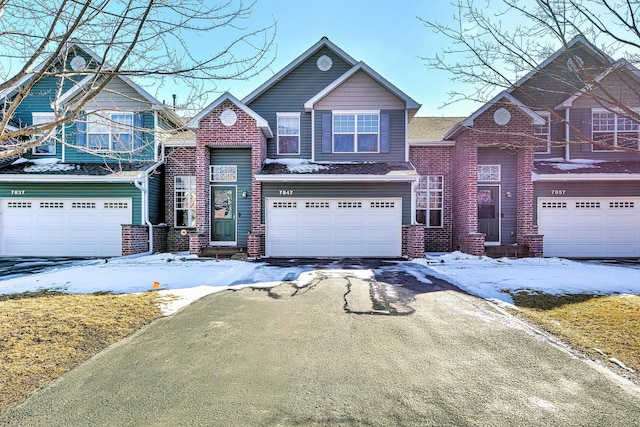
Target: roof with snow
[[306, 168], [50, 166], [577, 168]]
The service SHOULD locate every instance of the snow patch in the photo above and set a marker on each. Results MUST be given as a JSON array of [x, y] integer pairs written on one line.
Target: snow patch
[[44, 165], [297, 165], [573, 164]]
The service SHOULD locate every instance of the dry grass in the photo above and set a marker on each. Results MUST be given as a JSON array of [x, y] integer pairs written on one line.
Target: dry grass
[[589, 322], [44, 334]]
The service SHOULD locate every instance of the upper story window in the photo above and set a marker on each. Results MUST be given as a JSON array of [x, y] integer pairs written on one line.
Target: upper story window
[[429, 200], [489, 173], [185, 201], [356, 132], [288, 133], [614, 130], [48, 146], [110, 131], [542, 133], [223, 173]]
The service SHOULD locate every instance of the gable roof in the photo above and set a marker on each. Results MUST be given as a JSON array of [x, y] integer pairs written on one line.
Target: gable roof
[[430, 129], [261, 123], [324, 42], [77, 88], [361, 66], [504, 95], [620, 64]]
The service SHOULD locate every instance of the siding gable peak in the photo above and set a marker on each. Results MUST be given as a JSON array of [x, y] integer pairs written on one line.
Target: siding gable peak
[[324, 42], [410, 104]]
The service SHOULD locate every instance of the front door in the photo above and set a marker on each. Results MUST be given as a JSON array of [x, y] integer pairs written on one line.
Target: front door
[[223, 214], [489, 213]]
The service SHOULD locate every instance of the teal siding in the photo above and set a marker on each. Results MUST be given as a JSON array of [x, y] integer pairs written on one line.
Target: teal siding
[[397, 141], [68, 191], [156, 197], [242, 158], [74, 155], [289, 95], [344, 190]]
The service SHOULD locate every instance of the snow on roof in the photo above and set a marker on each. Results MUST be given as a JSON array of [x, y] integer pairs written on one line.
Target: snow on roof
[[44, 165], [297, 165]]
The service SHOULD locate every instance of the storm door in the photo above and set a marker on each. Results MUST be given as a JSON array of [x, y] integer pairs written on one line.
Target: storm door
[[489, 213], [223, 214]]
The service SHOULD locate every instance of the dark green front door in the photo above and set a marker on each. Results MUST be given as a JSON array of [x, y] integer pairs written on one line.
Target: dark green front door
[[223, 214], [489, 213]]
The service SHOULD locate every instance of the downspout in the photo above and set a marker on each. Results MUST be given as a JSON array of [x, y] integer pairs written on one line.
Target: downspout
[[143, 186], [567, 151]]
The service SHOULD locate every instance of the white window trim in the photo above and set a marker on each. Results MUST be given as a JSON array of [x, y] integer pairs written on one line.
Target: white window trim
[[189, 211], [428, 209], [354, 113], [226, 166], [595, 148], [490, 180], [295, 115], [47, 117], [547, 117], [106, 115]]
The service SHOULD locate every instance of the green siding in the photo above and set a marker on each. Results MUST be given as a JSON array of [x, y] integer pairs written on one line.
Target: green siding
[[80, 190], [156, 198], [397, 141], [290, 94], [343, 190], [241, 157]]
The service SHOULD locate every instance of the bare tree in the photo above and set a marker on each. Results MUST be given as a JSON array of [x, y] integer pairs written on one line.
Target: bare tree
[[190, 43], [504, 45]]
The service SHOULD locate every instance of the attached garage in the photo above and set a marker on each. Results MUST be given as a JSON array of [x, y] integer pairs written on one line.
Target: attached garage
[[63, 227], [593, 227], [333, 227]]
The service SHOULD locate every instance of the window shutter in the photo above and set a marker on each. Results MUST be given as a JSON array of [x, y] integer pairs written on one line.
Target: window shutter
[[138, 139], [585, 128], [326, 133], [81, 131], [385, 134]]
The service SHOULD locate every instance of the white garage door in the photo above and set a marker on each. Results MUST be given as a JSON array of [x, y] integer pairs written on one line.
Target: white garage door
[[595, 227], [63, 227], [334, 227]]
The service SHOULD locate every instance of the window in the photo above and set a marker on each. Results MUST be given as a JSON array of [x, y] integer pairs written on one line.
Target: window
[[288, 133], [111, 131], [185, 201], [223, 173], [429, 200], [356, 133], [48, 146], [489, 173], [542, 134], [614, 130]]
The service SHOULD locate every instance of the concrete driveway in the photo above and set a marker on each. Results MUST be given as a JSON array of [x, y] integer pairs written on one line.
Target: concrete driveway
[[341, 349]]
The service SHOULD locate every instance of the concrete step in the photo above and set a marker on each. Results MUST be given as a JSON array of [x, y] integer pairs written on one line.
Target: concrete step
[[227, 252], [510, 251]]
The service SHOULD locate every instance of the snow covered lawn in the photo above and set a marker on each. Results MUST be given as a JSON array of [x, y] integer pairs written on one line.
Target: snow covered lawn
[[493, 278], [191, 278]]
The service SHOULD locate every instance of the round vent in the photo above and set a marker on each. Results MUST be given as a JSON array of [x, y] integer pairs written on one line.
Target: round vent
[[501, 116], [228, 117], [78, 63], [324, 63]]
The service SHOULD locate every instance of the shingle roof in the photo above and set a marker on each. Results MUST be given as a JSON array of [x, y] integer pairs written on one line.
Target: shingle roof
[[363, 168], [77, 169], [422, 129], [577, 166]]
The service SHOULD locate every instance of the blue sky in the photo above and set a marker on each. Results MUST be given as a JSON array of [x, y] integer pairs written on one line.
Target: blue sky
[[387, 36]]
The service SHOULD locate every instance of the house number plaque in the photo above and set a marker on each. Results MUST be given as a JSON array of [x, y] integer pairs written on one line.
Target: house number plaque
[[286, 192], [17, 192], [558, 192]]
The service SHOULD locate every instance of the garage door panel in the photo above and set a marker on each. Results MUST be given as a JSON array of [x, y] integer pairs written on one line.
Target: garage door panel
[[335, 227], [59, 227], [590, 227]]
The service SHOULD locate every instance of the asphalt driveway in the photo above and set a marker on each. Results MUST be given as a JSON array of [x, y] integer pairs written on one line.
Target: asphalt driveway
[[343, 348]]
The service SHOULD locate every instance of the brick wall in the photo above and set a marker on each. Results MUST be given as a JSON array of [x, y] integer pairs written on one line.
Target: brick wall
[[212, 133], [178, 162], [436, 161], [413, 241], [135, 239]]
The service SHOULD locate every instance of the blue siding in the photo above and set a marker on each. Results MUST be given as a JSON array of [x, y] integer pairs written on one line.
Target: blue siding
[[397, 142], [289, 95], [156, 197]]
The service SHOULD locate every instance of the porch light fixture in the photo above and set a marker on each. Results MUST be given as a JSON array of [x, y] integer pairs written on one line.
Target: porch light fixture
[[244, 194]]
